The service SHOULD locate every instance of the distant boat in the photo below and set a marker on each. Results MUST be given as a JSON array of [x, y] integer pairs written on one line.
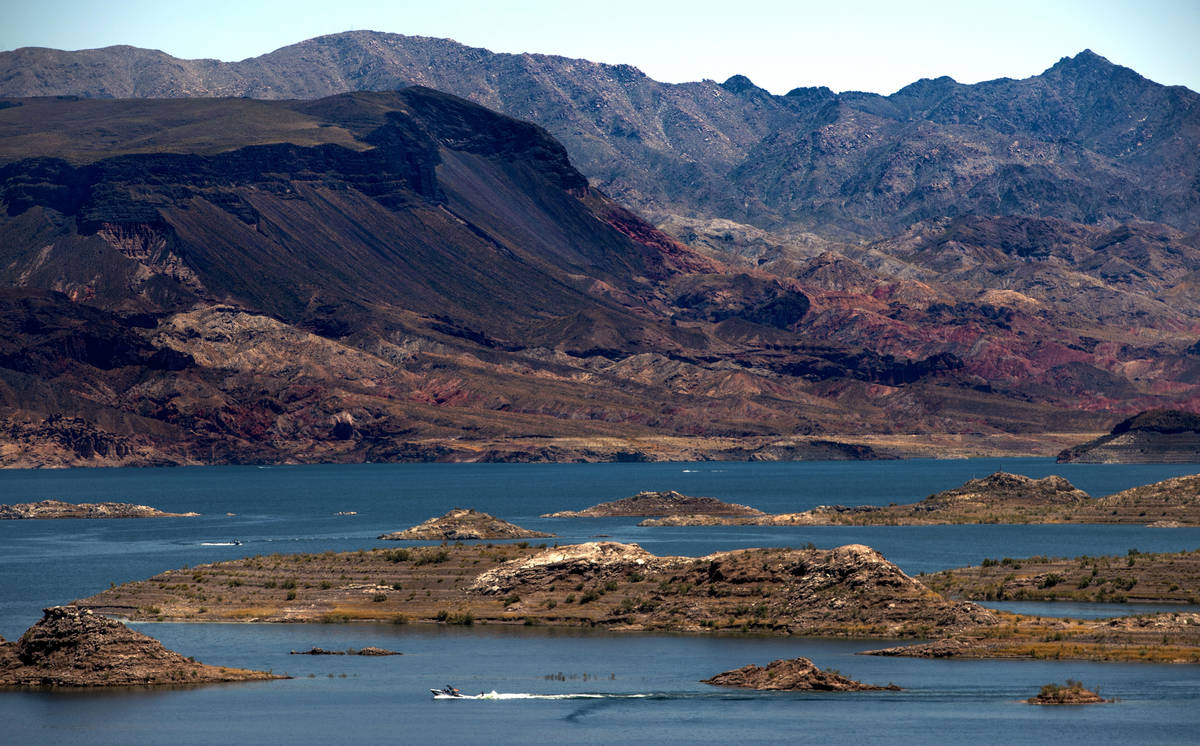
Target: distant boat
[[446, 692]]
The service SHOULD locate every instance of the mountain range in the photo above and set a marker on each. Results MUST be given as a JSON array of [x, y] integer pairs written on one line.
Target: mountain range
[[1087, 140], [315, 255]]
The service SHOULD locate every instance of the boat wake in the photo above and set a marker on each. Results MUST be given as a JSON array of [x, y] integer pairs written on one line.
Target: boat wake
[[526, 695], [220, 543]]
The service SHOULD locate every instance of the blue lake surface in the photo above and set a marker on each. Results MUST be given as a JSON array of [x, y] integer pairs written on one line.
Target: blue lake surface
[[650, 683]]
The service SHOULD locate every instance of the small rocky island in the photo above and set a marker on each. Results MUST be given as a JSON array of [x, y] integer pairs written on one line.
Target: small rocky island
[[795, 675], [665, 503], [368, 651], [1157, 436], [73, 647], [463, 524], [45, 509], [1071, 694]]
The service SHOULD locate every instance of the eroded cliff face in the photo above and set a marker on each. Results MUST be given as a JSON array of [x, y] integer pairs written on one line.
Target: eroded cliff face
[[73, 647]]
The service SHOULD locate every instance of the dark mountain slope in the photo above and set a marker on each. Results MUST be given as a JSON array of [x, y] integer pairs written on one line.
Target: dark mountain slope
[[448, 214], [447, 273]]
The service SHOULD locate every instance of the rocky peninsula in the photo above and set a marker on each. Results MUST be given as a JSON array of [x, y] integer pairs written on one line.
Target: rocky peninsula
[[46, 509], [795, 675], [664, 503], [74, 647], [1157, 436], [1170, 637], [1137, 577], [462, 524], [998, 498], [847, 591], [1174, 500], [850, 591]]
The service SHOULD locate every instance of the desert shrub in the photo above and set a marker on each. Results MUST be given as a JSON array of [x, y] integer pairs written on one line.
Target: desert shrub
[[432, 558]]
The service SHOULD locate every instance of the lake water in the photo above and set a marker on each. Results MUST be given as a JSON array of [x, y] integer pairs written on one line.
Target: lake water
[[640, 688]]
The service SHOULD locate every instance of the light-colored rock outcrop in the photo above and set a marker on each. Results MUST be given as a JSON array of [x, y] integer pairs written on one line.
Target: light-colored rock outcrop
[[596, 560]]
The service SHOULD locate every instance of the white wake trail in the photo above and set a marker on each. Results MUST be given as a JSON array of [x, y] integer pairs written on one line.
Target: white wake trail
[[528, 695]]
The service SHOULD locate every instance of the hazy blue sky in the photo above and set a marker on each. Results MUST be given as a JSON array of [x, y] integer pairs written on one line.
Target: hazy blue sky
[[861, 45]]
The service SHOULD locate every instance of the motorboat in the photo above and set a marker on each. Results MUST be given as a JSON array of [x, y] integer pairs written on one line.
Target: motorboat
[[446, 692]]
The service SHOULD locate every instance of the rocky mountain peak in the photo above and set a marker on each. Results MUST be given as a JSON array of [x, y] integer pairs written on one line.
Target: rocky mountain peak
[[1085, 60], [741, 85], [1089, 75], [810, 95], [927, 87]]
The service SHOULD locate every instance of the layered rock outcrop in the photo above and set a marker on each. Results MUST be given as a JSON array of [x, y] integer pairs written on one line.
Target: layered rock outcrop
[[801, 591]]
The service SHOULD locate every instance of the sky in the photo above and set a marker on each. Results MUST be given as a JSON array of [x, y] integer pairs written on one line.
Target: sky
[[867, 45]]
